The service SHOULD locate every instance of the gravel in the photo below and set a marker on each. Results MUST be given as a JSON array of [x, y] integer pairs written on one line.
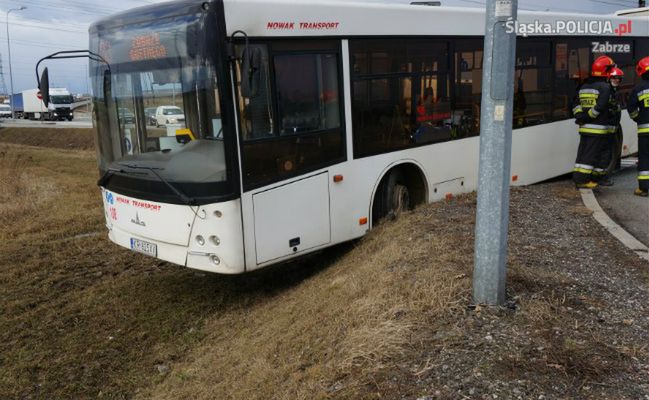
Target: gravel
[[576, 319]]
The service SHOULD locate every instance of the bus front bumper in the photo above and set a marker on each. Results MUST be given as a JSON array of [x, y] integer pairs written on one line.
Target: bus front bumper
[[212, 239]]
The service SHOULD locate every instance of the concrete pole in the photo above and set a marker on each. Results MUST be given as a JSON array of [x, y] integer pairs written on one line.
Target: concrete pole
[[11, 77], [495, 154]]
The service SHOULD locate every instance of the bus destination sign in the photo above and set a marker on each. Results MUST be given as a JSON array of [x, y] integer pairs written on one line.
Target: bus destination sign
[[147, 47]]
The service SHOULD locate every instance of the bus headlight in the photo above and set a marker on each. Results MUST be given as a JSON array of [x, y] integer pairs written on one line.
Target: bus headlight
[[200, 240], [215, 259]]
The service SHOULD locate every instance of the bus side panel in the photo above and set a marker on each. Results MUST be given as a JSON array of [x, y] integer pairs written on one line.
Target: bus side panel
[[292, 218], [630, 129], [543, 151]]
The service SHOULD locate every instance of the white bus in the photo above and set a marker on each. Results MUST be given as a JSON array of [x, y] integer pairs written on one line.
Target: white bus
[[305, 123]]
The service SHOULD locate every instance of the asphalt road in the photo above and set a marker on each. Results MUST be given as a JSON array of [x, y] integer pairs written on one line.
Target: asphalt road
[[628, 210], [25, 123]]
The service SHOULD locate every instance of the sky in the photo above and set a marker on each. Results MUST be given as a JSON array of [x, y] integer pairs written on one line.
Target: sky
[[45, 27]]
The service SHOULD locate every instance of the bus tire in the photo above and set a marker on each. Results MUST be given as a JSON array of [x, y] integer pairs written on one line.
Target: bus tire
[[392, 197], [400, 200]]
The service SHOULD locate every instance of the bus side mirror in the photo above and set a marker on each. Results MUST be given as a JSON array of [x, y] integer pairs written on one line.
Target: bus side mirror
[[44, 87], [250, 71], [193, 40]]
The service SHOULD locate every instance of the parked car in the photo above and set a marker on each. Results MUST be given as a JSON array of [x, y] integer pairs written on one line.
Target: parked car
[[149, 114], [5, 111], [169, 115], [126, 116]]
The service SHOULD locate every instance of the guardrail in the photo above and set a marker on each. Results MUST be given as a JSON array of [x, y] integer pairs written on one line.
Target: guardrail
[[80, 103]]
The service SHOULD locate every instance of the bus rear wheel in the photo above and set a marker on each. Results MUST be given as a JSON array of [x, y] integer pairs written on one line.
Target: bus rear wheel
[[401, 199], [392, 197]]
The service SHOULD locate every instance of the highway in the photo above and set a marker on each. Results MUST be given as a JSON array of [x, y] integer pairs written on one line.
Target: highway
[[78, 122], [619, 202]]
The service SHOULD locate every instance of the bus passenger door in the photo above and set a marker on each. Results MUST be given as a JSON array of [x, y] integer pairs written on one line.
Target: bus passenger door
[[292, 218]]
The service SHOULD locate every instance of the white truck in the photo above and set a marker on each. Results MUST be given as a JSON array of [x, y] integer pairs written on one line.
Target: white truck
[[60, 107]]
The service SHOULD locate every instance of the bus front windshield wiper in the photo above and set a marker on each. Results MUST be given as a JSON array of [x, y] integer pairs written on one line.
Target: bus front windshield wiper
[[109, 174], [183, 197]]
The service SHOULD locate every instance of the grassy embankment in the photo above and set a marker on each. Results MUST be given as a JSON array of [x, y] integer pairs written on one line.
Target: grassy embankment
[[82, 318]]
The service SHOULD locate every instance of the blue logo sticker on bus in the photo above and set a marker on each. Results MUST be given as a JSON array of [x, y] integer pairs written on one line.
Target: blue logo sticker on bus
[[109, 198]]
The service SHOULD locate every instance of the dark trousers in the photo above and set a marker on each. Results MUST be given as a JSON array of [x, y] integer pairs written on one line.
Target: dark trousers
[[590, 163], [643, 162], [607, 156]]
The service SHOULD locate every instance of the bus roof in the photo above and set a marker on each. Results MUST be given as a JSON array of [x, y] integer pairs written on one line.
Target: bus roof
[[352, 18], [287, 18]]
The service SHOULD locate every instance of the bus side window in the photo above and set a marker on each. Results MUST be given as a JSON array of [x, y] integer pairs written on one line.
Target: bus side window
[[571, 67], [532, 83], [400, 94], [468, 88], [307, 92]]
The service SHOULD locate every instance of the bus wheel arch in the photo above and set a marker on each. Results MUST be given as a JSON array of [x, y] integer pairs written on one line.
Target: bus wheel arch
[[401, 187]]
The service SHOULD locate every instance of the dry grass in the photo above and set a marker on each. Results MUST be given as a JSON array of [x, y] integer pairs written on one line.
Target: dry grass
[[82, 318], [59, 138], [334, 332]]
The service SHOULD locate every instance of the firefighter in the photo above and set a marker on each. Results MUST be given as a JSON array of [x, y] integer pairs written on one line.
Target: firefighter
[[592, 115], [638, 108]]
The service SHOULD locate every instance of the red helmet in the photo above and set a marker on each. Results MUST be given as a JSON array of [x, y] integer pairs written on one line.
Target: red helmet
[[643, 66], [616, 73], [602, 66]]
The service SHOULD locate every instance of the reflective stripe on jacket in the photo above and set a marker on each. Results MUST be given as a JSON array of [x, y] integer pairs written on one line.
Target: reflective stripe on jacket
[[591, 108]]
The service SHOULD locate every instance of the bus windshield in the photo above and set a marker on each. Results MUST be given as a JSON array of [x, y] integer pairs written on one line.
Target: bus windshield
[[157, 109]]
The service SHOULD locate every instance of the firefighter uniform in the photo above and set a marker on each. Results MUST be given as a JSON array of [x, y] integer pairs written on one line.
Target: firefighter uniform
[[638, 108], [591, 111]]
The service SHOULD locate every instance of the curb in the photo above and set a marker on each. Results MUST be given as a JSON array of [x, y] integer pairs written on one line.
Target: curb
[[614, 229]]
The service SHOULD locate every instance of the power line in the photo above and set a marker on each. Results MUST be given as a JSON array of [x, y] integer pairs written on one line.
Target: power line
[[52, 46], [35, 43], [49, 28], [71, 6], [611, 3], [63, 8]]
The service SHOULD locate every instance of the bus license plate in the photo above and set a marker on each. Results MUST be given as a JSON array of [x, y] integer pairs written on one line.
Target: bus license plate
[[147, 248]]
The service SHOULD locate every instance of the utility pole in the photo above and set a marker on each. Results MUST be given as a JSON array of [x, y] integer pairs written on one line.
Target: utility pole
[[3, 85], [495, 154], [11, 77]]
